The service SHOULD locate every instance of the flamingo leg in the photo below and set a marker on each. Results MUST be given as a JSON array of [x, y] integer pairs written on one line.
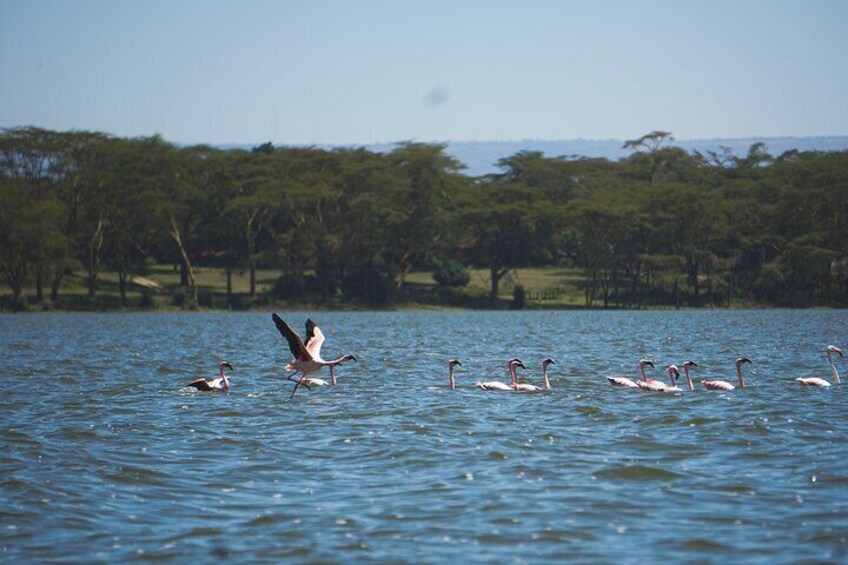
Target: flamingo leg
[[297, 384]]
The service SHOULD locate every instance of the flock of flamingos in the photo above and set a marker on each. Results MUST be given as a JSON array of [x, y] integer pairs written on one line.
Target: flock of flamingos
[[307, 360]]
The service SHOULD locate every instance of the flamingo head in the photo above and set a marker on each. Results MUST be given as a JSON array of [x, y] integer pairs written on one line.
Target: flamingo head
[[516, 362], [648, 362], [225, 365], [834, 349], [453, 363], [347, 357], [673, 372], [742, 360], [688, 364], [548, 361]]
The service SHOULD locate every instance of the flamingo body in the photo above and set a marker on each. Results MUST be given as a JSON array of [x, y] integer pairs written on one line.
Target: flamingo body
[[492, 385], [622, 381], [814, 381]]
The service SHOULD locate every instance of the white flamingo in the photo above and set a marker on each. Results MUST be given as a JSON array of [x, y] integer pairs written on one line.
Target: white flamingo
[[724, 385], [815, 381], [497, 385], [307, 358], [221, 384], [630, 383], [686, 366], [659, 386]]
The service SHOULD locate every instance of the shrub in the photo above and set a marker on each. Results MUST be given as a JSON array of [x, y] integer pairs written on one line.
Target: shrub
[[451, 273]]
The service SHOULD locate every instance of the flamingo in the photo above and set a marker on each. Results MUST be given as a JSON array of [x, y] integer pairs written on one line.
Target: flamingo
[[451, 364], [630, 383], [724, 385], [525, 387], [545, 364], [686, 366], [221, 384], [657, 386], [307, 357], [815, 381], [497, 385]]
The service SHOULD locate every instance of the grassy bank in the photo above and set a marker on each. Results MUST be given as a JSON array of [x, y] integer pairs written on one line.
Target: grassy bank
[[543, 287]]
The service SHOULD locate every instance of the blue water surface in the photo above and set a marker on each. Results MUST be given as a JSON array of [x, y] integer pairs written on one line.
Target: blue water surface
[[104, 458]]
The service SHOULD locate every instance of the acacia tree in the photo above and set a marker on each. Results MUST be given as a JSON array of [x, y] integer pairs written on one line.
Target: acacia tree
[[431, 178]]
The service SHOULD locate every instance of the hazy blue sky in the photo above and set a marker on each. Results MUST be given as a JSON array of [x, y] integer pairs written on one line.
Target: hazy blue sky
[[375, 71]]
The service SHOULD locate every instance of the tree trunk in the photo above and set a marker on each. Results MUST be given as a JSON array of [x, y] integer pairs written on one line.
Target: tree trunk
[[39, 284], [94, 251], [229, 271], [175, 235], [54, 287], [122, 286], [497, 275]]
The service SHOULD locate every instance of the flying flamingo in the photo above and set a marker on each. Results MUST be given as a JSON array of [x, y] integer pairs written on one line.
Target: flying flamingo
[[497, 385], [307, 358], [658, 386], [815, 381], [629, 383], [724, 385], [451, 364], [221, 384], [686, 366]]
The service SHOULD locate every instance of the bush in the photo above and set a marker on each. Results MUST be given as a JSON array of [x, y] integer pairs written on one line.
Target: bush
[[204, 297], [178, 298], [451, 273]]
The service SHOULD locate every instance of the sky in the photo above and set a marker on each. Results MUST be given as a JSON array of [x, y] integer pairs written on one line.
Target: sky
[[372, 71]]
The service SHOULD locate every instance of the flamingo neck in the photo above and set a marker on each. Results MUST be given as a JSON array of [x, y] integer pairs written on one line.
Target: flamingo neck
[[833, 368], [671, 378], [642, 372], [450, 377], [513, 376], [224, 380], [333, 375], [688, 379], [739, 375], [545, 377]]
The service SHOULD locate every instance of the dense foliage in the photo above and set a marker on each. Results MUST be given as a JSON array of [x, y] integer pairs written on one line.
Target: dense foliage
[[660, 227]]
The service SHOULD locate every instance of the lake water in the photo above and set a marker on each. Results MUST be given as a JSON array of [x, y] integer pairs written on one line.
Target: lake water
[[102, 458]]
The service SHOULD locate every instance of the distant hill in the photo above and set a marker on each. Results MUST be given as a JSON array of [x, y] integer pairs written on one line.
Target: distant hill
[[480, 157]]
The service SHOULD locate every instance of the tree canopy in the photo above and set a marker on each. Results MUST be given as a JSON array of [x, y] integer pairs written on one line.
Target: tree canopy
[[660, 227]]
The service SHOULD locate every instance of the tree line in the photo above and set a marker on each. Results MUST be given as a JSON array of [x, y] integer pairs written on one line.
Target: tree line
[[661, 227]]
